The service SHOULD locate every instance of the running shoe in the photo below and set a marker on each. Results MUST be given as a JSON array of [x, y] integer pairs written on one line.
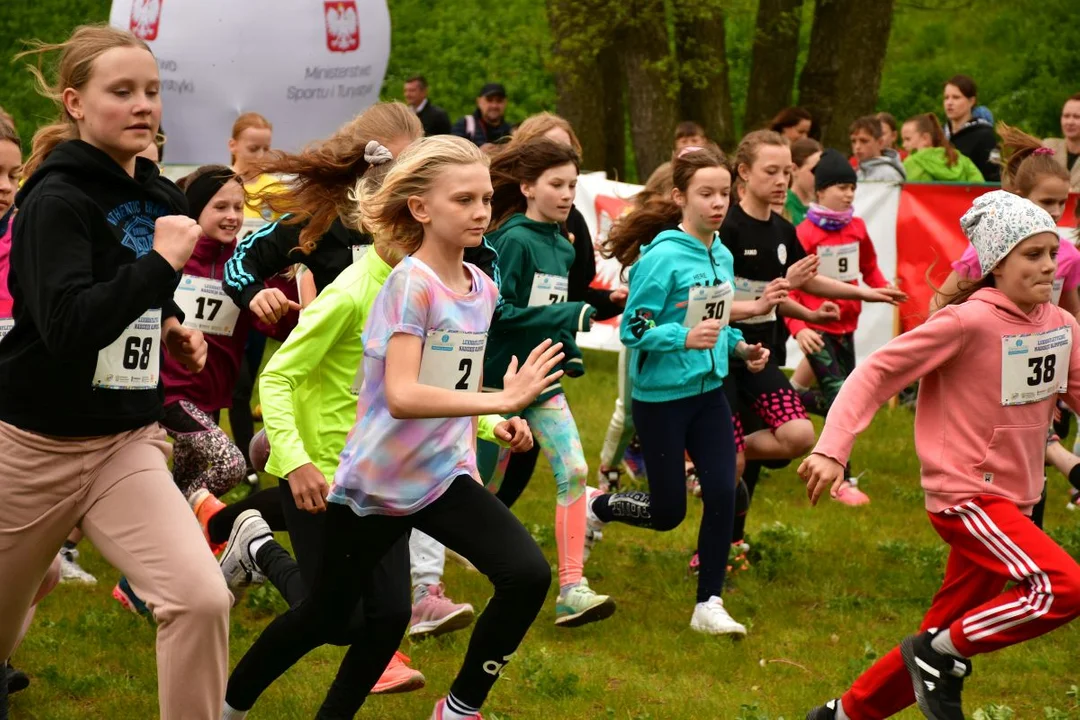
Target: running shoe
[[398, 677], [435, 614], [71, 571], [825, 712], [608, 480], [594, 527], [850, 495], [237, 564], [437, 714], [712, 618], [16, 680], [938, 679], [127, 598], [634, 461], [581, 605], [206, 506], [1074, 499]]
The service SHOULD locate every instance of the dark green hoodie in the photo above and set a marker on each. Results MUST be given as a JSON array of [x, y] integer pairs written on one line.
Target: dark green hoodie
[[527, 249]]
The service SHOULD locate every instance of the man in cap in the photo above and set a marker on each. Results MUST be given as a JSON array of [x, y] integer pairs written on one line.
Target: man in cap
[[487, 125]]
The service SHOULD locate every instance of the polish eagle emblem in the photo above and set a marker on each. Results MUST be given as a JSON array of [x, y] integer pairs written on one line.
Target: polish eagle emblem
[[145, 17], [342, 25]]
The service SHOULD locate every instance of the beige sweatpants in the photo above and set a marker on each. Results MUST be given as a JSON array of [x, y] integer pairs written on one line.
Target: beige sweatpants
[[118, 490]]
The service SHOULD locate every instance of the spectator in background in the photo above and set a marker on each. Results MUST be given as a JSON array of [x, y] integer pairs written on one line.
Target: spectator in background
[[487, 125], [805, 154], [932, 157], [972, 134], [1067, 148], [432, 117], [890, 133], [876, 162], [688, 133], [793, 123]]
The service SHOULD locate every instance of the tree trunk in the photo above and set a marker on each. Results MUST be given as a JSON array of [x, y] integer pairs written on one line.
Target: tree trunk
[[704, 88], [577, 77], [651, 83], [772, 64], [614, 114], [842, 76]]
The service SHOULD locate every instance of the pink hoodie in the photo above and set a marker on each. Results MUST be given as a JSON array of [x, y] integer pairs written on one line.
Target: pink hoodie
[[968, 442]]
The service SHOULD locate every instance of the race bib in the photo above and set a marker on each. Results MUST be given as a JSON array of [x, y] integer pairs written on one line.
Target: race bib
[[839, 262], [1035, 366], [1055, 294], [206, 306], [712, 302], [749, 291], [250, 225], [358, 252], [5, 326], [548, 289], [131, 362], [453, 360]]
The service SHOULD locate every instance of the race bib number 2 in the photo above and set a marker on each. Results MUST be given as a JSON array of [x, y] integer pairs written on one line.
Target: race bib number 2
[[131, 361], [453, 360], [712, 302], [1035, 366]]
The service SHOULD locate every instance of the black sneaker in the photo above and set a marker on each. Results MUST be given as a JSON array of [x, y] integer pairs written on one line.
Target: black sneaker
[[825, 712], [938, 679], [17, 680]]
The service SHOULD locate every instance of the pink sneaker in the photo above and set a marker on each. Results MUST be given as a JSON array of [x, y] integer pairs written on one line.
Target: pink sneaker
[[851, 496], [398, 677], [437, 714], [437, 614]]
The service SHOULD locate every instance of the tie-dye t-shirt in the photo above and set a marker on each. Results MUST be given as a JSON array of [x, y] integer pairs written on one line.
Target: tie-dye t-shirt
[[397, 467]]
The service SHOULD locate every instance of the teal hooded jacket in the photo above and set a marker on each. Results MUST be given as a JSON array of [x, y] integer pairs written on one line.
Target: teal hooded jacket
[[672, 269]]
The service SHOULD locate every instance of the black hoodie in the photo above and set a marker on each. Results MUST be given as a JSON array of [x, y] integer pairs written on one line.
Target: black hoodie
[[976, 140], [83, 269]]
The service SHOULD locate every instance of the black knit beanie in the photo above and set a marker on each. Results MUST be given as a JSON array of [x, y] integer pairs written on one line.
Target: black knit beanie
[[833, 169]]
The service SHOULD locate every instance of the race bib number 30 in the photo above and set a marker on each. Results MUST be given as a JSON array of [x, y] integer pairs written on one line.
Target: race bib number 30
[[548, 289], [206, 306], [749, 291], [131, 362], [839, 262], [1035, 366], [453, 360], [712, 302]]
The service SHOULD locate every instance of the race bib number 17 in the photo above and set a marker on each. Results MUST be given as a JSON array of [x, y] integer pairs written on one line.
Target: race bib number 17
[[1035, 366], [131, 361], [453, 360]]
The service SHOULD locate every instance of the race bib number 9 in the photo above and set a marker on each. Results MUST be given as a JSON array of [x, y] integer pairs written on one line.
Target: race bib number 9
[[5, 326], [548, 289], [453, 360], [839, 262], [1035, 366], [749, 291], [131, 362], [206, 306], [712, 302]]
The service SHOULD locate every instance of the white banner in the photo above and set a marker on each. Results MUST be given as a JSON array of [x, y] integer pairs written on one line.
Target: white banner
[[602, 201], [308, 66]]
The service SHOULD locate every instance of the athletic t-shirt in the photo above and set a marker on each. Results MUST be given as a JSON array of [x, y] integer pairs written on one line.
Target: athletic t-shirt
[[763, 251], [397, 467]]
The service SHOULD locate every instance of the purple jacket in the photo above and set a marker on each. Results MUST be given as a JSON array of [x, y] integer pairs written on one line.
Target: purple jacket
[[212, 389]]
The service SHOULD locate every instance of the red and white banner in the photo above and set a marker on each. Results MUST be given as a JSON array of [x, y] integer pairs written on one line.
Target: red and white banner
[[915, 229]]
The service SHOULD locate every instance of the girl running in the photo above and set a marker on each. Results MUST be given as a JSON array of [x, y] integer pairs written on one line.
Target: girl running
[[96, 250], [845, 251], [423, 342], [676, 327], [932, 158], [534, 186], [981, 449]]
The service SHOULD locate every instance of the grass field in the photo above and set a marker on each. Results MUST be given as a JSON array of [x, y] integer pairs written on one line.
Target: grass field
[[831, 589]]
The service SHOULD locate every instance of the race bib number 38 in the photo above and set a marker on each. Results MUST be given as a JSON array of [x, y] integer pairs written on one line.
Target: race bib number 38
[[131, 361], [548, 289], [712, 302], [453, 360], [749, 291], [839, 262], [1035, 366], [206, 306]]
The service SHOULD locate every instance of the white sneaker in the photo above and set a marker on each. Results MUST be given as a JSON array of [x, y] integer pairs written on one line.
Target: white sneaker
[[237, 564], [712, 618], [70, 570], [594, 528]]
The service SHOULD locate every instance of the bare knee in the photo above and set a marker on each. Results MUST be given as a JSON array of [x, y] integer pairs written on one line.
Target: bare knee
[[797, 436]]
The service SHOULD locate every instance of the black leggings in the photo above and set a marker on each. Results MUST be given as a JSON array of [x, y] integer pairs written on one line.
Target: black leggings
[[700, 425], [519, 471], [268, 502], [466, 518]]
